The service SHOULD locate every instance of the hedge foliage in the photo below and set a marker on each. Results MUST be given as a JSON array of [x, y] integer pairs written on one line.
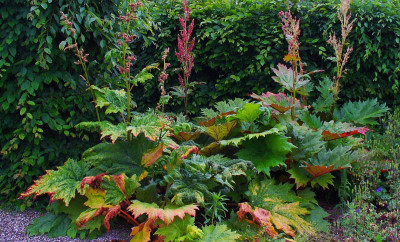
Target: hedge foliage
[[239, 41], [42, 97]]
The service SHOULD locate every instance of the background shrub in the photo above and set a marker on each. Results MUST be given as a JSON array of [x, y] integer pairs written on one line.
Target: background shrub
[[239, 41], [41, 95]]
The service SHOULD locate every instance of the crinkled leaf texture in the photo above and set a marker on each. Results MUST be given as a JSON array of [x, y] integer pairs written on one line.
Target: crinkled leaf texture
[[238, 141], [266, 152], [285, 77], [114, 100], [149, 124], [280, 102], [219, 132], [180, 230], [218, 168], [217, 233], [326, 100], [328, 160], [336, 130], [167, 215], [144, 75], [121, 157], [277, 204], [361, 112], [62, 183], [308, 142], [51, 224], [223, 107], [249, 113]]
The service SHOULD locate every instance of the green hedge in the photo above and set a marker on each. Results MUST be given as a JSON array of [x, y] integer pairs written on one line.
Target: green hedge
[[41, 94], [239, 41]]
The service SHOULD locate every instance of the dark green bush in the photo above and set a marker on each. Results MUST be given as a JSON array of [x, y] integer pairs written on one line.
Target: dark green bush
[[42, 97], [239, 41]]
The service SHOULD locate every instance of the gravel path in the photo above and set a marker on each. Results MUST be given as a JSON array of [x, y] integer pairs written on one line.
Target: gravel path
[[12, 228]]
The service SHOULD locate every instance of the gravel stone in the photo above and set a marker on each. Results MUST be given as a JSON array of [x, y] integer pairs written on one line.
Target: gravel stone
[[13, 224]]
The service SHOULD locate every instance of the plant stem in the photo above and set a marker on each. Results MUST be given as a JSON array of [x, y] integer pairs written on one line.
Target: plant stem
[[129, 217]]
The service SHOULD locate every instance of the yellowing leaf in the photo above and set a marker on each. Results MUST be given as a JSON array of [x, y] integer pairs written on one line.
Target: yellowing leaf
[[152, 156], [167, 214], [62, 183], [219, 132]]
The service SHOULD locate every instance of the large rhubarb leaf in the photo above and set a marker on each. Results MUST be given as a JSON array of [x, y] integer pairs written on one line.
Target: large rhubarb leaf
[[249, 113], [98, 206], [121, 157], [144, 75], [118, 188], [286, 78], [224, 107], [336, 130], [280, 102], [238, 141], [308, 142], [54, 225], [326, 99], [114, 100], [62, 183], [167, 215], [328, 160], [113, 131], [285, 208], [148, 124], [219, 132], [267, 152], [361, 112], [217, 233], [219, 169], [152, 156], [180, 230], [260, 217]]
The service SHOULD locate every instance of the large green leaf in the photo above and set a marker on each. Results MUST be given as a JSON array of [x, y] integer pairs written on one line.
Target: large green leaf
[[148, 124], [217, 233], [308, 142], [361, 112], [166, 214], [266, 152], [286, 208], [238, 141], [54, 225], [249, 113], [180, 230], [114, 100], [121, 157], [223, 107], [118, 188], [62, 183]]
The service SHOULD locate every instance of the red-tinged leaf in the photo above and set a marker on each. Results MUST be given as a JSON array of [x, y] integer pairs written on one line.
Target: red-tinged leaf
[[88, 215], [219, 132], [279, 102], [60, 184], [336, 130], [317, 171], [211, 149], [260, 216], [192, 149], [211, 122], [142, 232], [152, 156], [186, 136], [92, 181], [111, 213], [167, 214]]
